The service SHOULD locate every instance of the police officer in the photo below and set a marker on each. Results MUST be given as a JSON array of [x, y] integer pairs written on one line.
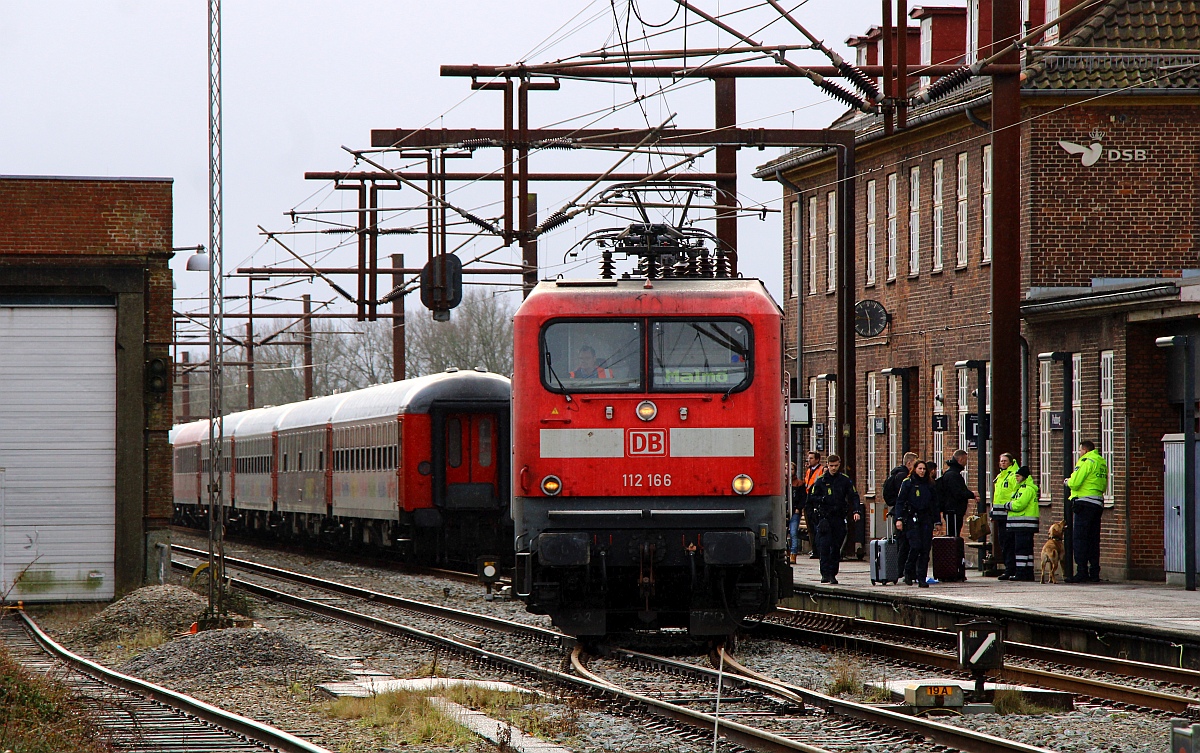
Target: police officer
[[1022, 525], [1006, 484], [1087, 486], [916, 509], [833, 501]]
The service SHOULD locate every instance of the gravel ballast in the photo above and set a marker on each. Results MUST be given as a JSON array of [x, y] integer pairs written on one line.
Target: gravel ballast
[[167, 609]]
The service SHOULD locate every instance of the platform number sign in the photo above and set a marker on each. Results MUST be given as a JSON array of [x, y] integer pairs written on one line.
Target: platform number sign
[[1184, 738], [980, 646]]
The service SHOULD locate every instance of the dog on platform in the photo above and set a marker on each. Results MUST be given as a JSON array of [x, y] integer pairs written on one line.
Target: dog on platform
[[1052, 552]]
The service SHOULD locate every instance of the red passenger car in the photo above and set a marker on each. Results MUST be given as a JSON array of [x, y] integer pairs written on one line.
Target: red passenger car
[[649, 469]]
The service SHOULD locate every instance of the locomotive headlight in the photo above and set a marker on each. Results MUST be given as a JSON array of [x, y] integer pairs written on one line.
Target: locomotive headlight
[[551, 485], [647, 410], [742, 484]]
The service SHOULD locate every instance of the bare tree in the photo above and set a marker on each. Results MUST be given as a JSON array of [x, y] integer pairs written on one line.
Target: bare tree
[[349, 355], [479, 333]]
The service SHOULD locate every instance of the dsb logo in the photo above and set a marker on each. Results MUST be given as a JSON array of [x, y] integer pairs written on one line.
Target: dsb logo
[[647, 442]]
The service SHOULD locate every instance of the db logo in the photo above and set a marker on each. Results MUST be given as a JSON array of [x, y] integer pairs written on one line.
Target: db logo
[[648, 442]]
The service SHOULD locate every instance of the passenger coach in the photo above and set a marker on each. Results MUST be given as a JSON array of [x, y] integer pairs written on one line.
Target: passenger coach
[[418, 467], [649, 485]]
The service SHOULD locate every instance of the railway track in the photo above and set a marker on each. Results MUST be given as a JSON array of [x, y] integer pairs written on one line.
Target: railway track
[[380, 561], [138, 716], [1039, 666], [839, 718]]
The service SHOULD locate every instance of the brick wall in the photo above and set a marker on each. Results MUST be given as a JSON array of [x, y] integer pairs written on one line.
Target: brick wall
[[1085, 221], [1132, 216]]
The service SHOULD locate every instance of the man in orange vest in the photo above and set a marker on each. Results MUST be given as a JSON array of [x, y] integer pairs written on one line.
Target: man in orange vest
[[812, 472], [587, 368]]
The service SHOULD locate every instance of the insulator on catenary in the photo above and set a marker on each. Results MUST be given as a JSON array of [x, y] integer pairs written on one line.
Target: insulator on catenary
[[480, 222], [553, 221], [475, 143], [947, 84], [556, 144], [859, 79], [838, 92]]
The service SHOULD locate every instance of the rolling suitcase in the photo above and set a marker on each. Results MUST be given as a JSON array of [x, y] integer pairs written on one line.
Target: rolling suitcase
[[885, 561], [949, 559]]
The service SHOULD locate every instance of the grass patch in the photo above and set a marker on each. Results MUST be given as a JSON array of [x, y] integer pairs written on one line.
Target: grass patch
[[42, 716], [128, 646], [1014, 702], [402, 717], [408, 717], [847, 677]]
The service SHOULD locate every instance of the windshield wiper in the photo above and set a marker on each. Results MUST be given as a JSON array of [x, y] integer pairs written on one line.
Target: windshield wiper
[[550, 366]]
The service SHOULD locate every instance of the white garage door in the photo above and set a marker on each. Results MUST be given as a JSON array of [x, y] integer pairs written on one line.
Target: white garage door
[[58, 380]]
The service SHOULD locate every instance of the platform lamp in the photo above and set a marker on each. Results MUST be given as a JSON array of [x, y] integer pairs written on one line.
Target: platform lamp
[[1068, 430], [1189, 453], [215, 616]]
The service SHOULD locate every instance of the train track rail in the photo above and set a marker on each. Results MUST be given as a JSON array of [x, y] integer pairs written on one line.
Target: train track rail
[[838, 712], [138, 716], [381, 562], [936, 648]]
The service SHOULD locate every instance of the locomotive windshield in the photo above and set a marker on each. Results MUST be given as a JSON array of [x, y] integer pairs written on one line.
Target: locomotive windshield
[[699, 356], [592, 356]]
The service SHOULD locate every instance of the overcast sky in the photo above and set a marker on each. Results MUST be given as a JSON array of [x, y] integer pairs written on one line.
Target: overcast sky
[[119, 88]]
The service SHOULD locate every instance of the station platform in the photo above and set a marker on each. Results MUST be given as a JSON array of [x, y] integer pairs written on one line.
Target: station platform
[[1066, 615]]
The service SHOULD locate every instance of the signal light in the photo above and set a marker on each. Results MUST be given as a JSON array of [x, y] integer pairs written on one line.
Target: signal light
[[647, 410], [742, 484], [551, 485], [158, 375]]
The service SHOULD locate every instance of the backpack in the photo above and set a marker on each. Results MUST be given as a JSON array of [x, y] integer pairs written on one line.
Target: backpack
[[891, 487]]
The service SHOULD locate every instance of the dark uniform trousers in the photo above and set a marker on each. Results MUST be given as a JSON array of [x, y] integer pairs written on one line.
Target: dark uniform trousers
[[919, 536], [1085, 540], [1022, 553], [831, 532], [1008, 542]]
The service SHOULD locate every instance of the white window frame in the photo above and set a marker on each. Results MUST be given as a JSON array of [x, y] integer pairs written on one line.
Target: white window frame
[[812, 395], [893, 418], [914, 221], [963, 405], [872, 403], [972, 31], [939, 408], [936, 214], [871, 236], [1107, 411], [987, 410], [987, 202], [1052, 12], [831, 416], [812, 245], [961, 211], [1044, 433], [795, 278], [1076, 399], [831, 242], [926, 47], [891, 226]]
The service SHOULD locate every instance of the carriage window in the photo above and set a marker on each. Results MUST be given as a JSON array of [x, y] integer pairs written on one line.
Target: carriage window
[[700, 356], [592, 356], [453, 442], [485, 442]]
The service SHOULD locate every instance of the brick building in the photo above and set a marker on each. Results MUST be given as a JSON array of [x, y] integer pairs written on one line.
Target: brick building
[[85, 399], [1109, 237]]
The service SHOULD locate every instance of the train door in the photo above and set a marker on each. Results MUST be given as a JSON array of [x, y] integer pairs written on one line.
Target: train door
[[470, 461]]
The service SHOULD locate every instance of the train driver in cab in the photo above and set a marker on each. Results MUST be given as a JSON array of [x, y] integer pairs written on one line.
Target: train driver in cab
[[587, 367]]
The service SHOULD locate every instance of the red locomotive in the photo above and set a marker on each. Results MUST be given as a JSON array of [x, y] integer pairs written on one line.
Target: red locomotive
[[649, 466], [417, 468]]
